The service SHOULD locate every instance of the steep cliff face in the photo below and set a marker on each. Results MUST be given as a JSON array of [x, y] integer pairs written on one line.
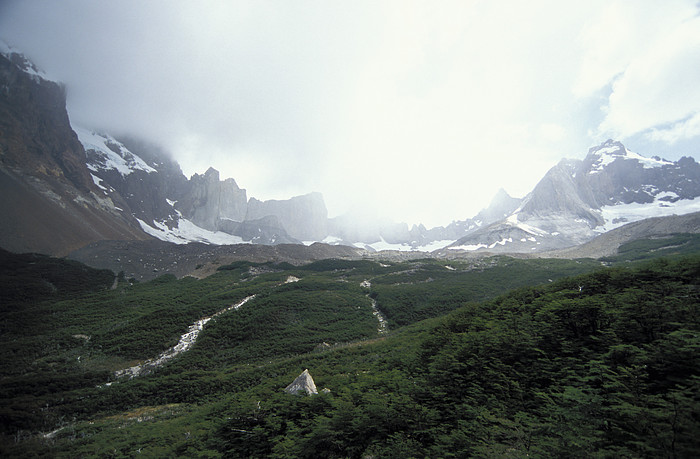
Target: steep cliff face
[[208, 200], [304, 217], [557, 197], [35, 134], [50, 203]]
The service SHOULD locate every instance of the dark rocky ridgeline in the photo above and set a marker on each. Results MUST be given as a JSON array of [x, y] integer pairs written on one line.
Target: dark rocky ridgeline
[[160, 194]]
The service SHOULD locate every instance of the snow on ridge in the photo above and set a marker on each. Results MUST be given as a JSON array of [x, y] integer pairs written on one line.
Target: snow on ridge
[[648, 163], [608, 155], [124, 162], [384, 245], [26, 66], [186, 232]]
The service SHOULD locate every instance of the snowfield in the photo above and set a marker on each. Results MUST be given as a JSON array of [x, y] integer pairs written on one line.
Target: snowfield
[[621, 214]]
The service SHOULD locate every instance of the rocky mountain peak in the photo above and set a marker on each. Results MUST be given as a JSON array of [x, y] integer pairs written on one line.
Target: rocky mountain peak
[[612, 152], [211, 175], [610, 146], [500, 207]]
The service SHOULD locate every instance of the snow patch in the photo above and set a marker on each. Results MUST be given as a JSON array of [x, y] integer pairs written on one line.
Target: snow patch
[[98, 181], [185, 231], [384, 245], [503, 241], [469, 247], [533, 230]]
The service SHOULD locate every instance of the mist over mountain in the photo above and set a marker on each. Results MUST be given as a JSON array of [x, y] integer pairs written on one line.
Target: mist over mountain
[[92, 186]]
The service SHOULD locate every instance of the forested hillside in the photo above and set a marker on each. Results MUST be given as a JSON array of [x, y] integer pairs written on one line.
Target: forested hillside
[[602, 363]]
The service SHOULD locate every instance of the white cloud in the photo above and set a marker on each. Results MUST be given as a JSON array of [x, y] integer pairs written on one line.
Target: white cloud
[[616, 33], [659, 86], [681, 130]]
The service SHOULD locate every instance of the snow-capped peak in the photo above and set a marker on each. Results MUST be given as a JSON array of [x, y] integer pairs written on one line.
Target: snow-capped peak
[[611, 150], [23, 63], [109, 153]]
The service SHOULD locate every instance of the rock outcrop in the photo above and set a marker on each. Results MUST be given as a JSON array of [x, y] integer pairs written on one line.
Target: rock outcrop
[[303, 383], [208, 200], [304, 217]]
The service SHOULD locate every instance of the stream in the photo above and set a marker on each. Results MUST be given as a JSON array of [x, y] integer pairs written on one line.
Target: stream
[[383, 328], [187, 340]]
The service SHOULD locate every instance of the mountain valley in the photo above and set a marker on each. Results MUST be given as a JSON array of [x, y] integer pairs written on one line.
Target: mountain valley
[[143, 312]]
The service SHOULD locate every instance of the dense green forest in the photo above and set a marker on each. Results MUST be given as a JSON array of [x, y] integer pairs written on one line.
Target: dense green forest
[[494, 357]]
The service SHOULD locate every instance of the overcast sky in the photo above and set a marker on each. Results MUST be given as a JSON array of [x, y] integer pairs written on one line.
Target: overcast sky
[[418, 111]]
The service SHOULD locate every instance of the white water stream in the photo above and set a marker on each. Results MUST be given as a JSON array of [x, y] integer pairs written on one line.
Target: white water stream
[[383, 328], [187, 340], [380, 317]]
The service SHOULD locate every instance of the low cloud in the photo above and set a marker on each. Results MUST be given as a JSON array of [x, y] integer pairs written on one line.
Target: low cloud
[[415, 111]]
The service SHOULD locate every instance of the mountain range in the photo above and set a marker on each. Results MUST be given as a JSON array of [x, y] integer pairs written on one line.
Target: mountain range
[[67, 186]]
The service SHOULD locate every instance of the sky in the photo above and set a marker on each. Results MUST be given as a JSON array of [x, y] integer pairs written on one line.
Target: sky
[[413, 111]]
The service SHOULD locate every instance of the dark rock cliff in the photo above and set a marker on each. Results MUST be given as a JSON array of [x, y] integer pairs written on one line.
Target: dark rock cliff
[[49, 203]]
